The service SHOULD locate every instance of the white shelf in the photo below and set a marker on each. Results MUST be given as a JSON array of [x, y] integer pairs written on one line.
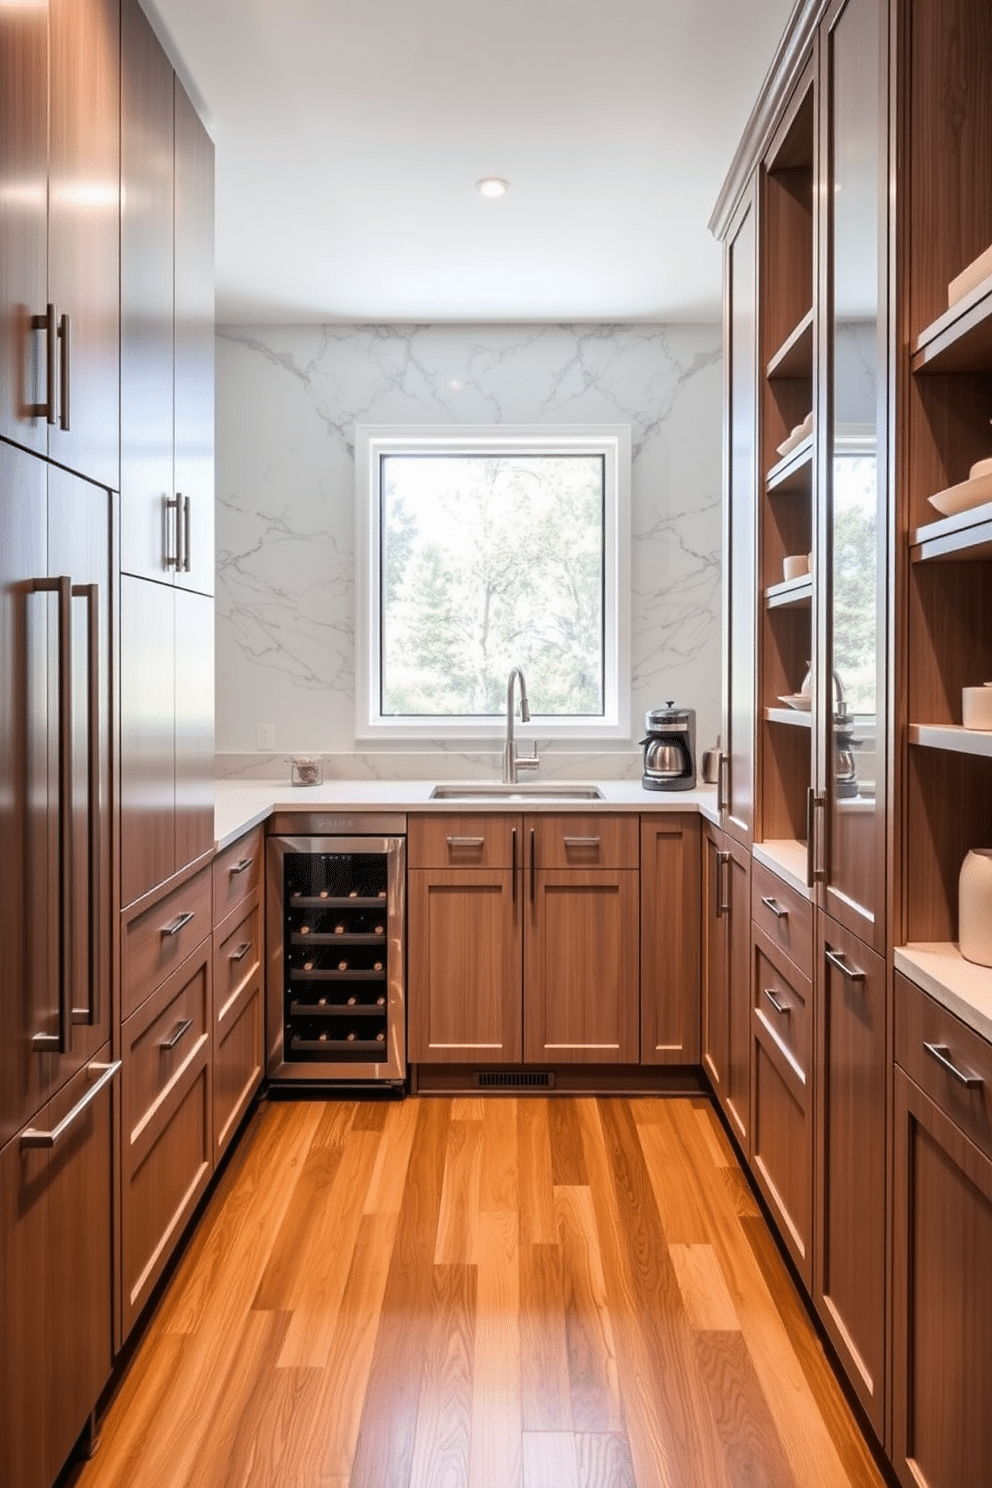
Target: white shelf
[[794, 717], [958, 985], [788, 860], [952, 737]]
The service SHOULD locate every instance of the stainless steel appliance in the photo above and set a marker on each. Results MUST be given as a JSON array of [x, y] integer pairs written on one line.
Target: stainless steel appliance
[[669, 748], [335, 949]]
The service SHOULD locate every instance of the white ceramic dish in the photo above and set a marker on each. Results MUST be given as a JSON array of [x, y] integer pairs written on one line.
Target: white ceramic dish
[[963, 497], [976, 708], [801, 701], [795, 565], [980, 467]]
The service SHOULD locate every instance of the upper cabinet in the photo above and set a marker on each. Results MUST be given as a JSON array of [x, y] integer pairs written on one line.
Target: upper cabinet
[[59, 227], [167, 321]]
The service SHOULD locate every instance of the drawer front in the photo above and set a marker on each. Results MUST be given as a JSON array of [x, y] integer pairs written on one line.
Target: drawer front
[[464, 840], [586, 840], [783, 1005], [237, 956], [237, 1063], [158, 940], [237, 873], [783, 915], [170, 1031], [919, 1022], [782, 1145]]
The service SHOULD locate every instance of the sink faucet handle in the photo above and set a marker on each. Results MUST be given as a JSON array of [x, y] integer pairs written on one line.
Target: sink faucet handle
[[529, 761]]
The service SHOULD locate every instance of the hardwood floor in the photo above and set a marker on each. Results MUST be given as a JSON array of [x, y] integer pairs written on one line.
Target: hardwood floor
[[532, 1293]]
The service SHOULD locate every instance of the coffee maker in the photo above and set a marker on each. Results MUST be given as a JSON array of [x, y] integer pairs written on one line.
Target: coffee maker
[[669, 748]]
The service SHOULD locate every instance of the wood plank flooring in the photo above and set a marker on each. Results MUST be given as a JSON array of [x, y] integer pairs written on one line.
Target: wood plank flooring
[[498, 1293]]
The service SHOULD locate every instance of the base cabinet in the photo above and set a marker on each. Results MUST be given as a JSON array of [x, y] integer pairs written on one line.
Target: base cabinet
[[55, 1279], [238, 1018], [670, 932], [726, 965]]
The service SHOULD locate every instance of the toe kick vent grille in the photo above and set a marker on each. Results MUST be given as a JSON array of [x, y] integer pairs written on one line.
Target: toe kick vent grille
[[514, 1079]]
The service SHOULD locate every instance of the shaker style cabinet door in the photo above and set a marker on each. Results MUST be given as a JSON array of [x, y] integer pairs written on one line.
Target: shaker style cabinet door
[[670, 932]]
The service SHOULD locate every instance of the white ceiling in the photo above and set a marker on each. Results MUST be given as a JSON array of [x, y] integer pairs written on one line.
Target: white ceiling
[[350, 135]]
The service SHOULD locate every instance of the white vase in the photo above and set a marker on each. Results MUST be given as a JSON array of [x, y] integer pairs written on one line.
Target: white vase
[[975, 906]]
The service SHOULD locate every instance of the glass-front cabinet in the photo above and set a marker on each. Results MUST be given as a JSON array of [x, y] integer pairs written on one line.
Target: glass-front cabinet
[[848, 850]]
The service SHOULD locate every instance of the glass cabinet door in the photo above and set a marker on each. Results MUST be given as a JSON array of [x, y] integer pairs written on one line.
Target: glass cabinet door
[[853, 528]]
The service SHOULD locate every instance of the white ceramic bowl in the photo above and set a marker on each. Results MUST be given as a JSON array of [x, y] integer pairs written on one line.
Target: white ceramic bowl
[[795, 565], [976, 708]]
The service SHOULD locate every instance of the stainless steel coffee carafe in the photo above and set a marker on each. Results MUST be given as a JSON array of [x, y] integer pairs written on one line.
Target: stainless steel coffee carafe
[[669, 748]]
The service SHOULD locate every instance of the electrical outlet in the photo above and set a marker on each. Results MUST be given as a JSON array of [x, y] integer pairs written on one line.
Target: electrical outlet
[[266, 736]]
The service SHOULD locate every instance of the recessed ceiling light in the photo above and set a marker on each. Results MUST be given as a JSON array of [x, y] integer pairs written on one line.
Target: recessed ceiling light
[[492, 186]]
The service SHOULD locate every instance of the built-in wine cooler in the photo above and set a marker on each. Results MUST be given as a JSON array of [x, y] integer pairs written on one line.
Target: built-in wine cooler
[[335, 949]]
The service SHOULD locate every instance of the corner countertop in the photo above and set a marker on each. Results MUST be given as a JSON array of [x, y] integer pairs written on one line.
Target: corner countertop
[[242, 804]]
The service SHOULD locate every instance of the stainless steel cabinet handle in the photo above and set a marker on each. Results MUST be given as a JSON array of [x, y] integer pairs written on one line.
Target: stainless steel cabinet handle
[[46, 323], [722, 907], [61, 1042], [34, 1138], [173, 1039], [173, 559], [186, 536], [778, 910], [513, 864], [65, 375], [942, 1054], [466, 842], [852, 973], [241, 952], [721, 799], [777, 1004], [241, 866], [810, 798], [178, 923], [91, 593], [581, 841]]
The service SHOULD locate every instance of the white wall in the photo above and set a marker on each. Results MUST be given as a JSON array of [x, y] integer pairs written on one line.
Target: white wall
[[287, 402]]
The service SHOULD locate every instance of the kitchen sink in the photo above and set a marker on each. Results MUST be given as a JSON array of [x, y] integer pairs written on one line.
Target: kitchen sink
[[533, 790]]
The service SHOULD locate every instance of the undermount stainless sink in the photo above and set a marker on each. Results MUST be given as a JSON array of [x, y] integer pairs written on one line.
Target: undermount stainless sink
[[533, 790]]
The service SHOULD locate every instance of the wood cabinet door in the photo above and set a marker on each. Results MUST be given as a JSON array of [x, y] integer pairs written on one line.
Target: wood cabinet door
[[55, 1283], [715, 970], [738, 899], [147, 760], [850, 1251], [149, 527], [23, 221], [194, 346], [581, 967], [670, 934], [942, 1365], [84, 233], [464, 966], [194, 727]]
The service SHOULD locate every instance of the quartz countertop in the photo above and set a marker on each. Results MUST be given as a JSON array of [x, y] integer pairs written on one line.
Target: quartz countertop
[[242, 804]]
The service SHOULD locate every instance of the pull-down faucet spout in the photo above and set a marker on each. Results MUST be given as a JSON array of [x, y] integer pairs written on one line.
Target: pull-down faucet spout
[[511, 764]]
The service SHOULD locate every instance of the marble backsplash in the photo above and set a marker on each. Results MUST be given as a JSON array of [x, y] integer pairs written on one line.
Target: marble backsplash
[[288, 399]]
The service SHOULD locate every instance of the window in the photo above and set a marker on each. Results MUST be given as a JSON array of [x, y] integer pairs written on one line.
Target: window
[[484, 549]]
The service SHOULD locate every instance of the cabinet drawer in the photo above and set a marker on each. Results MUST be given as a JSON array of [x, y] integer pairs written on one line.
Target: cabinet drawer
[[920, 1021], [782, 1004], [169, 1031], [783, 915], [587, 840], [237, 873], [237, 1061], [237, 955], [457, 840], [159, 939]]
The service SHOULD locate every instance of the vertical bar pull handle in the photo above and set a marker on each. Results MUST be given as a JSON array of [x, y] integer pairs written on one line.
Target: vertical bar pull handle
[[46, 323], [173, 547], [186, 536], [91, 593], [61, 1042], [513, 863], [810, 798], [533, 866], [65, 377], [721, 798], [722, 906]]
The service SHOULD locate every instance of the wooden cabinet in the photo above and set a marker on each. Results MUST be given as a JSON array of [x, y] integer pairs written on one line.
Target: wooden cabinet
[[782, 1096], [59, 233], [670, 933], [167, 1142], [533, 956], [238, 1057], [726, 960], [55, 649], [167, 394], [850, 1251], [55, 1275], [167, 759], [942, 1368]]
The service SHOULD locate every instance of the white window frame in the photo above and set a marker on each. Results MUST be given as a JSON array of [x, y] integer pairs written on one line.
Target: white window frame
[[612, 441]]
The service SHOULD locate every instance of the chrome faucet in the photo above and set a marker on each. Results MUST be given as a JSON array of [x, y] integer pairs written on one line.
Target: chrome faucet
[[511, 762]]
